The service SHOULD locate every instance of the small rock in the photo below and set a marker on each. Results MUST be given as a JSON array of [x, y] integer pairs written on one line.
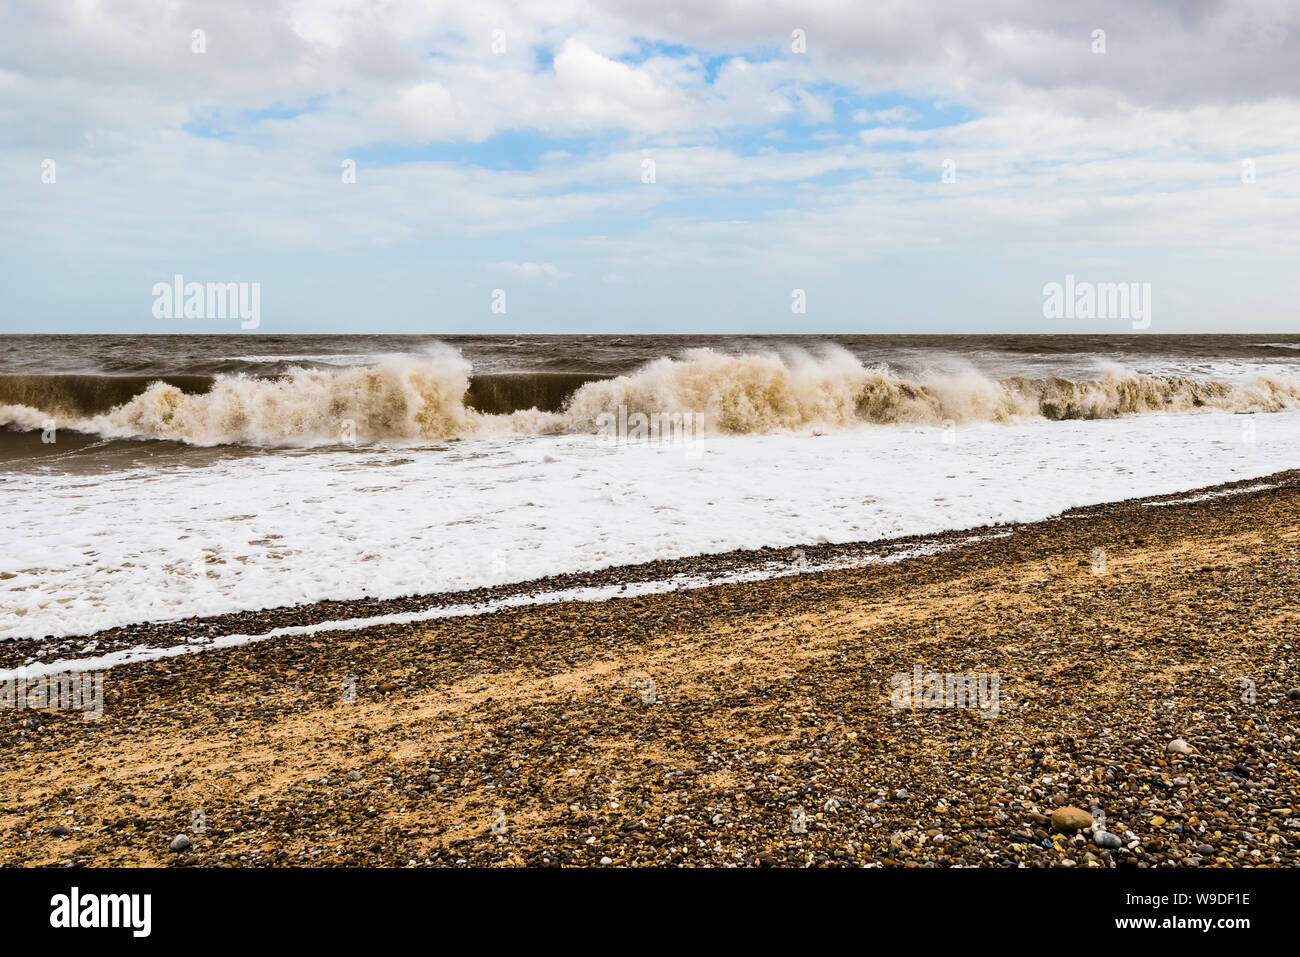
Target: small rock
[[1107, 839], [1179, 746], [181, 843], [61, 831], [354, 776], [1066, 819]]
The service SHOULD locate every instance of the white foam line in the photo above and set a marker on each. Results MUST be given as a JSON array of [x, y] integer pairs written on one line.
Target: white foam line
[[590, 593], [1222, 493]]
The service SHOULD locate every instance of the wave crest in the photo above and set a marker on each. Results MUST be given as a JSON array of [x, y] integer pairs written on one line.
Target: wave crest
[[433, 398]]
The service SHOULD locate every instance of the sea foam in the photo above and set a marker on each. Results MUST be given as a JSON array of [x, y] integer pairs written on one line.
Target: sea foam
[[426, 399]]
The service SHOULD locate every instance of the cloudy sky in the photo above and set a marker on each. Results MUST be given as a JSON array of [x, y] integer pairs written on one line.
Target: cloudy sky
[[649, 165]]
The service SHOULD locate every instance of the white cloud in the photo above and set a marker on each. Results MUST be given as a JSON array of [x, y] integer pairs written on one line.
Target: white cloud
[[1138, 147], [533, 270], [425, 112], [609, 92], [894, 116]]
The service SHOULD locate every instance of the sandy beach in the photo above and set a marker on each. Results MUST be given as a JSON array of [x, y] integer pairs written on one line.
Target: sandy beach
[[746, 724]]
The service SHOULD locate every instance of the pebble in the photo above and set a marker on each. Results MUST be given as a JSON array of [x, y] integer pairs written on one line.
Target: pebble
[[1179, 746], [181, 843], [1066, 819], [1107, 839]]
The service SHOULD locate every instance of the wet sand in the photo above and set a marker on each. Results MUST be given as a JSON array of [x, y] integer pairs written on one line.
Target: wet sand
[[768, 737]]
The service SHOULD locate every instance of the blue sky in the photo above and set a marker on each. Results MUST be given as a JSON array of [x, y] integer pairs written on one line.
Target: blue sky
[[803, 146]]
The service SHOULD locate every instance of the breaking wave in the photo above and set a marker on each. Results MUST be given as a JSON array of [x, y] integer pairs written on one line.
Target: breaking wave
[[436, 397]]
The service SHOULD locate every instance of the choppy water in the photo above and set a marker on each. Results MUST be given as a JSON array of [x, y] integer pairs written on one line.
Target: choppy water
[[150, 478], [997, 356], [286, 392]]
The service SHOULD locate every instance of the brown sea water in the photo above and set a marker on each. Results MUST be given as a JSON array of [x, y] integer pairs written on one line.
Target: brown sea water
[[122, 400]]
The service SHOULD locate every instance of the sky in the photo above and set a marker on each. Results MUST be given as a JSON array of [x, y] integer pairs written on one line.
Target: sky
[[657, 166]]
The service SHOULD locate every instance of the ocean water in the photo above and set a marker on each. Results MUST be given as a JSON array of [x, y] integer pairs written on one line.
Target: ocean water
[[201, 475]]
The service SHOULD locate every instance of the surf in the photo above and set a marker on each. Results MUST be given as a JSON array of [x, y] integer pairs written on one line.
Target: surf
[[437, 397]]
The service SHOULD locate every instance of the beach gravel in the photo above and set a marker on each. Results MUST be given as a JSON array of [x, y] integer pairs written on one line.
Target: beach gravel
[[748, 724]]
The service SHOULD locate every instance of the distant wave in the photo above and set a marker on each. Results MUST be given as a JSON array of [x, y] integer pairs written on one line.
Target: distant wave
[[436, 397]]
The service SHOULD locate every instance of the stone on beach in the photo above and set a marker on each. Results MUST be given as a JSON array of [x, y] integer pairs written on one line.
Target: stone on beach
[[1068, 819], [1107, 839]]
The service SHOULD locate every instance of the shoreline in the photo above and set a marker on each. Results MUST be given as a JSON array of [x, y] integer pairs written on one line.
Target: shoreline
[[741, 724], [114, 646]]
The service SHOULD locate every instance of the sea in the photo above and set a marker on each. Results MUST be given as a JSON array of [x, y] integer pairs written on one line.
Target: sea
[[153, 478]]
